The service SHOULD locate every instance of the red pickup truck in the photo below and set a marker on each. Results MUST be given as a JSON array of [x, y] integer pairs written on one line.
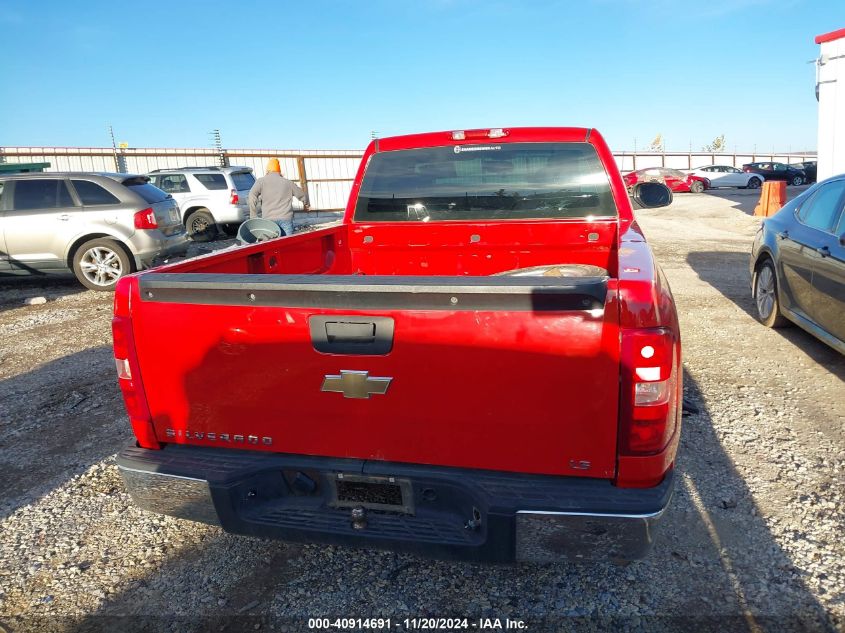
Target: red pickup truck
[[482, 361]]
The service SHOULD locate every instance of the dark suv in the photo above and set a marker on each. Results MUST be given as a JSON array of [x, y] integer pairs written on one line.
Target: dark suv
[[777, 171]]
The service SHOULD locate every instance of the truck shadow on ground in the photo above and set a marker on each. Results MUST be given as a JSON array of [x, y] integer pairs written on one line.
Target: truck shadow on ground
[[711, 266], [55, 422], [716, 567]]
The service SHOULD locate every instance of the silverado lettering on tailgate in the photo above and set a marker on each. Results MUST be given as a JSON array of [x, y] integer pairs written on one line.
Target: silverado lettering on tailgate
[[219, 437]]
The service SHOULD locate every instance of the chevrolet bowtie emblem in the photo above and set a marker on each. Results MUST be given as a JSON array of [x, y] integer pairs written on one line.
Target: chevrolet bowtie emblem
[[355, 384]]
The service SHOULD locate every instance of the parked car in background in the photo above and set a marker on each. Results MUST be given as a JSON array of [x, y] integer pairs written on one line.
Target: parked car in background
[[798, 264], [211, 199], [777, 171], [809, 169], [101, 226], [676, 180], [727, 176]]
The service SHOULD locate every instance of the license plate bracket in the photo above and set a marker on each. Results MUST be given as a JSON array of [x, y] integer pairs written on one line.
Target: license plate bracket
[[387, 494]]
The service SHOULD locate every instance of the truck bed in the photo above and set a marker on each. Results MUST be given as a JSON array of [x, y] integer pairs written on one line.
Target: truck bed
[[467, 349]]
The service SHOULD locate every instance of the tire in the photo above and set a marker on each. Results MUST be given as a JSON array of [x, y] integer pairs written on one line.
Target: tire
[[99, 263], [766, 303], [201, 226], [697, 186], [797, 180], [754, 183]]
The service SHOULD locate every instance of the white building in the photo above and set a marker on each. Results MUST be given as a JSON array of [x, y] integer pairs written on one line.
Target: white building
[[830, 90]]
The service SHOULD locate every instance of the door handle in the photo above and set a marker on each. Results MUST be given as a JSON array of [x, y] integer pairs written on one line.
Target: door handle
[[64, 217], [824, 251], [783, 235]]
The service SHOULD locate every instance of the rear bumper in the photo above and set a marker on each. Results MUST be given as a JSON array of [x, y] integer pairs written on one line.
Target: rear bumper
[[150, 250], [230, 213], [448, 512]]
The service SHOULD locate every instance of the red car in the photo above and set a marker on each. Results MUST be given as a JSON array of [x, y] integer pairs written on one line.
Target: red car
[[676, 180]]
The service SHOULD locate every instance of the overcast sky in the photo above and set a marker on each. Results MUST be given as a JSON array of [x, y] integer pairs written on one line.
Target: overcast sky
[[325, 74]]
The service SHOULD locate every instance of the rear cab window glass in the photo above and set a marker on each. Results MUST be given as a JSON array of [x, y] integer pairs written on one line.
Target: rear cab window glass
[[41, 193], [509, 181], [822, 210], [149, 193], [90, 193], [243, 180], [212, 181]]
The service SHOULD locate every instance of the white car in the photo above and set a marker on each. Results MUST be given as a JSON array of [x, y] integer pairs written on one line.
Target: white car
[[210, 199], [727, 176]]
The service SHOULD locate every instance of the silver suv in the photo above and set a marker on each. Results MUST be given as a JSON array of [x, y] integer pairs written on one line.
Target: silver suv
[[211, 199], [101, 226]]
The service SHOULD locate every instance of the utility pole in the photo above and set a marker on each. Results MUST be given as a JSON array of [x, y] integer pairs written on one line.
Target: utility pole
[[114, 150], [217, 143]]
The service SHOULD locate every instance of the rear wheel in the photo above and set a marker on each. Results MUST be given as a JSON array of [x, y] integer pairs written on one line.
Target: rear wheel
[[201, 226], [766, 295], [754, 183], [696, 186], [98, 264], [797, 180]]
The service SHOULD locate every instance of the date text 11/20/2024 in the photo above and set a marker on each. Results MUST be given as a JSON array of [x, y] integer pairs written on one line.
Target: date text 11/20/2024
[[417, 624]]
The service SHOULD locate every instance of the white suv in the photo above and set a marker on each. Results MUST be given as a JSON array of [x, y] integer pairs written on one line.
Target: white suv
[[211, 199]]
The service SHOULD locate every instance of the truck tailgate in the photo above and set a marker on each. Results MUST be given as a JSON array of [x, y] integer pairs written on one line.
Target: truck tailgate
[[497, 373]]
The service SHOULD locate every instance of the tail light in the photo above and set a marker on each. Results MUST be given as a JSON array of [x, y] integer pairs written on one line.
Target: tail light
[[146, 219], [128, 373], [233, 197], [648, 402]]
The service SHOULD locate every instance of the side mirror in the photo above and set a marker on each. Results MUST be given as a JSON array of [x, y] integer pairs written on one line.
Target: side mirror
[[651, 195]]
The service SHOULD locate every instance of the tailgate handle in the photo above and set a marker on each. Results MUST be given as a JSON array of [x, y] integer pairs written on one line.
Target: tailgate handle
[[343, 331], [351, 334]]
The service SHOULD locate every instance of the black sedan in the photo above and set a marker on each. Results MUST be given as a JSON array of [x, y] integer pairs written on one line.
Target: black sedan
[[809, 169], [798, 264], [777, 171]]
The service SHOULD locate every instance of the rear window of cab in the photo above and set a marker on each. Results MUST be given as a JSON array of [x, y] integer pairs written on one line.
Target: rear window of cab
[[506, 181]]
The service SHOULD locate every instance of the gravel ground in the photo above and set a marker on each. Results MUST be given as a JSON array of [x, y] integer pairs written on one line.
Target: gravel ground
[[752, 542]]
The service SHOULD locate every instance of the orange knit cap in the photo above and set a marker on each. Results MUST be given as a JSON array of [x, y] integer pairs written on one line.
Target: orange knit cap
[[273, 165]]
